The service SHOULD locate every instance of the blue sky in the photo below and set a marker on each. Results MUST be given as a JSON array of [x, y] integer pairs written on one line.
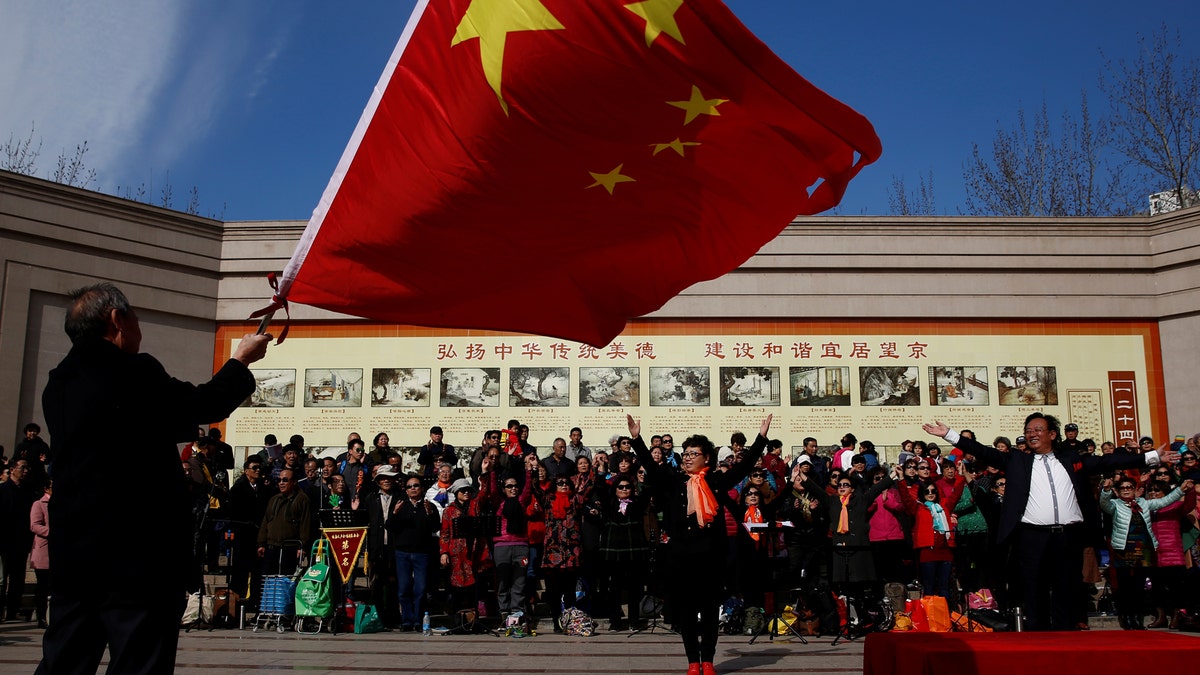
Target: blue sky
[[253, 102]]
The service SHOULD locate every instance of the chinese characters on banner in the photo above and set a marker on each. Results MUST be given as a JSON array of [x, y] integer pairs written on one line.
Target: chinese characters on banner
[[644, 350], [1123, 389], [345, 545]]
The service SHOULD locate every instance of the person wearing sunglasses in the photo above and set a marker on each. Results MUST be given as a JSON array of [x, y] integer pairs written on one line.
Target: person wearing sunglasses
[[1168, 577], [852, 566], [509, 499], [697, 540], [464, 557], [286, 529], [624, 550], [1133, 540], [562, 507], [932, 535], [412, 527]]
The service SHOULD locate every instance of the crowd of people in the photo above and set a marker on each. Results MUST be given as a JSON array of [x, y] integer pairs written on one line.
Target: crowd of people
[[503, 528]]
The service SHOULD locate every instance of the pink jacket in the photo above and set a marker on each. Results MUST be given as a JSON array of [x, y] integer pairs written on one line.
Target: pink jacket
[[884, 524], [39, 523], [1165, 522]]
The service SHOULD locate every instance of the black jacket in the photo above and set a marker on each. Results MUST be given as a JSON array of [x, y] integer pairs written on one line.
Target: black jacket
[[136, 547]]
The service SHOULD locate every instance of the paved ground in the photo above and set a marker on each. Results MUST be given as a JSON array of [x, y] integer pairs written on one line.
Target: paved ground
[[244, 651]]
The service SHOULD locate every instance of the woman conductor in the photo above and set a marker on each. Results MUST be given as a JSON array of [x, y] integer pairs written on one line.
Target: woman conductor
[[696, 530]]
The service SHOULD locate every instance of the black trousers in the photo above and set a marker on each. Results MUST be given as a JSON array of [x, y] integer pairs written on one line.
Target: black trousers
[[1049, 568], [141, 637], [696, 594], [14, 569]]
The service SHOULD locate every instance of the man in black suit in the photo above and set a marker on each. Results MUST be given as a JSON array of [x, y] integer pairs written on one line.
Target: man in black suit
[[1047, 512], [121, 565]]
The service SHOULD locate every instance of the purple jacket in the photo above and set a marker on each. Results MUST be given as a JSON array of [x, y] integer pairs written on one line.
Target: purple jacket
[[885, 526]]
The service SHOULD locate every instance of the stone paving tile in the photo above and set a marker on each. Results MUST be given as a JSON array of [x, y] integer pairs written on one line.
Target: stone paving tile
[[232, 652]]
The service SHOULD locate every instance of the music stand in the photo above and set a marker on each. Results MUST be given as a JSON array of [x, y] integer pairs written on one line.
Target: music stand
[[656, 603], [771, 531], [338, 518]]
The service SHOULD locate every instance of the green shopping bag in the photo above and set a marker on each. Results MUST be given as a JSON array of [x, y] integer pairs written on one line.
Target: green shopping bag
[[315, 588], [366, 619]]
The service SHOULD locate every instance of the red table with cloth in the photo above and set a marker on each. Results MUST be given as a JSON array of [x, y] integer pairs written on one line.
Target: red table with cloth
[[1065, 653]]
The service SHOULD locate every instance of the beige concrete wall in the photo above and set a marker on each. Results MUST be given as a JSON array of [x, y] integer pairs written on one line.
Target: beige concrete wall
[[188, 272], [55, 238]]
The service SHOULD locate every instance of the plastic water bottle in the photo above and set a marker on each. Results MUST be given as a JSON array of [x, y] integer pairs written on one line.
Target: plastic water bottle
[[425, 630]]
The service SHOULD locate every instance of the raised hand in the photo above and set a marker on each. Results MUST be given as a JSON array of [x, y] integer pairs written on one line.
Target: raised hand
[[936, 428], [766, 425], [635, 427]]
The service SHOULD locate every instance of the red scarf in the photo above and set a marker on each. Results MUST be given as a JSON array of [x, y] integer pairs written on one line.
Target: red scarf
[[560, 504]]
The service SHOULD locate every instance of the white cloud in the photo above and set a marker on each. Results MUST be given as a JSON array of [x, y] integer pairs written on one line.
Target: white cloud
[[85, 71], [142, 81]]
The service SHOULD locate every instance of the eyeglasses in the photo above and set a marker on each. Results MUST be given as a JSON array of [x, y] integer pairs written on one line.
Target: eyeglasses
[[922, 468], [844, 485], [561, 483], [690, 454], [624, 486], [751, 494], [281, 479], [759, 474], [667, 441], [254, 468], [1035, 431], [510, 486], [1001, 484], [413, 486]]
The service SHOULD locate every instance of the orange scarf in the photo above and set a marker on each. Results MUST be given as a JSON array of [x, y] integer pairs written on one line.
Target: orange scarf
[[700, 499], [844, 519], [753, 515]]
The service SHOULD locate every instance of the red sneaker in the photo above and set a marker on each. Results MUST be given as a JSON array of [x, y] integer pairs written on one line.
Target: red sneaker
[[693, 669], [707, 668]]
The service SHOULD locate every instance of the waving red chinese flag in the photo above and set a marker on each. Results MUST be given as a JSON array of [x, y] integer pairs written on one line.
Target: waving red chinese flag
[[560, 166]]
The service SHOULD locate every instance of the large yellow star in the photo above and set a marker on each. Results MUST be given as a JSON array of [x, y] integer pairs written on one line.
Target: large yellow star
[[698, 105], [660, 18], [676, 145], [609, 180], [491, 21]]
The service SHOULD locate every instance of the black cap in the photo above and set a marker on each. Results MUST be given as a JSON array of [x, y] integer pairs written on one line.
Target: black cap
[[1020, 440], [1071, 427]]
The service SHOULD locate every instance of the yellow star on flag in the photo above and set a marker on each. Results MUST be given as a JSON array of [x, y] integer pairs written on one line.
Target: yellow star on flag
[[676, 145], [491, 21], [660, 18], [698, 105], [609, 180]]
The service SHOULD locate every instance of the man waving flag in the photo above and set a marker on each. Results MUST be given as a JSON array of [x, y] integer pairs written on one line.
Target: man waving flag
[[569, 164]]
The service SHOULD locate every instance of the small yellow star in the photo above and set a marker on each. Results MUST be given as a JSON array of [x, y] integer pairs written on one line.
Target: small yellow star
[[660, 18], [609, 180], [491, 21], [676, 145], [698, 105]]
